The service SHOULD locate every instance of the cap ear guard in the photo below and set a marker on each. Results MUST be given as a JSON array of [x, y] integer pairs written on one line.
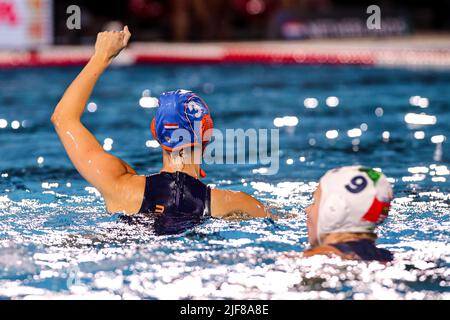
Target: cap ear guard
[[377, 212], [381, 204], [153, 129], [206, 122], [206, 125]]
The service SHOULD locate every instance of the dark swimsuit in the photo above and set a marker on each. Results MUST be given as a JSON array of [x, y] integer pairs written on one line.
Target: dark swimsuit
[[176, 192], [176, 200], [364, 250]]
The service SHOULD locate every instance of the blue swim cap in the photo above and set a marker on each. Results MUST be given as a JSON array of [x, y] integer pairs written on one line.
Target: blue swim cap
[[181, 110], [182, 120]]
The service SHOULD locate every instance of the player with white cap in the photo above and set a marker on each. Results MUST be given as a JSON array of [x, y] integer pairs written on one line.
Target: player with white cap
[[348, 205]]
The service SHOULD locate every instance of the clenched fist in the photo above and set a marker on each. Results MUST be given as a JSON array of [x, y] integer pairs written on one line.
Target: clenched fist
[[110, 43]]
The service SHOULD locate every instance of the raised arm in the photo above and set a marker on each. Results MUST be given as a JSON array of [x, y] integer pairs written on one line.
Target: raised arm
[[102, 170], [229, 204]]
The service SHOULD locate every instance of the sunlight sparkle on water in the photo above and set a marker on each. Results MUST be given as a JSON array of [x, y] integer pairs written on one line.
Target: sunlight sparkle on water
[[311, 103], [332, 134]]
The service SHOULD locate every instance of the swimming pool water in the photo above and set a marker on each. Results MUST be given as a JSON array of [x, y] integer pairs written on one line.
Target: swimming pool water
[[57, 241]]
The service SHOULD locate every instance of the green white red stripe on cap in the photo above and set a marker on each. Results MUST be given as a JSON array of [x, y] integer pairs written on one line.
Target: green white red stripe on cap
[[377, 212]]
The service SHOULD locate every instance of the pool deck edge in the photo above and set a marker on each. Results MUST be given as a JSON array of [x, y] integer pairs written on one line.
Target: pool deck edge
[[410, 51]]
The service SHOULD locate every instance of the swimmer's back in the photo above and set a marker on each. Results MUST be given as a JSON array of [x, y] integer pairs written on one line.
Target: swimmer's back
[[179, 192], [173, 192]]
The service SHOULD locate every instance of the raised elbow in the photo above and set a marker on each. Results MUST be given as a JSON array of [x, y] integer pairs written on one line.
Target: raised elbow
[[55, 119]]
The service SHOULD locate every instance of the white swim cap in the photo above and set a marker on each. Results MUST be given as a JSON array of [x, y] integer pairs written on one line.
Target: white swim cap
[[353, 199]]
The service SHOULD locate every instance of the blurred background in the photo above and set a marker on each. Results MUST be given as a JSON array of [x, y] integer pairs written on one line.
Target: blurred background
[[206, 20], [25, 23]]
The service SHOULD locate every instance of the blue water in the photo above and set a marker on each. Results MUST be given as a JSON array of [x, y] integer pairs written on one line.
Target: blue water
[[56, 239]]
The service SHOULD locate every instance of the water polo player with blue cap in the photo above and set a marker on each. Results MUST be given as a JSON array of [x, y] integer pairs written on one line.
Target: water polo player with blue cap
[[181, 126], [348, 205]]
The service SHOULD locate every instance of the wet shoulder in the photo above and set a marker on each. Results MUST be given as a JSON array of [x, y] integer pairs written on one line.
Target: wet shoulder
[[128, 195], [224, 202], [328, 250]]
